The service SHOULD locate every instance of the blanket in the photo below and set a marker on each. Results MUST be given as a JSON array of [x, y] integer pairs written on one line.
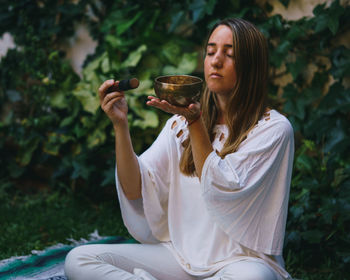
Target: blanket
[[48, 264]]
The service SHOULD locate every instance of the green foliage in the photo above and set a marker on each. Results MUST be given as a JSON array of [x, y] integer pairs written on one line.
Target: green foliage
[[52, 131], [37, 221]]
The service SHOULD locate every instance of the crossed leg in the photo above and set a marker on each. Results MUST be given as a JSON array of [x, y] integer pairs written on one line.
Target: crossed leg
[[148, 262]]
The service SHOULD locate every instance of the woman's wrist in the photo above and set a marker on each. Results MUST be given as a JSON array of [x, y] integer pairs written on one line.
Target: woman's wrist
[[121, 126], [190, 121]]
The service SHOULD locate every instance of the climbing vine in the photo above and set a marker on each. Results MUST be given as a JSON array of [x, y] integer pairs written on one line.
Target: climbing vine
[[53, 132]]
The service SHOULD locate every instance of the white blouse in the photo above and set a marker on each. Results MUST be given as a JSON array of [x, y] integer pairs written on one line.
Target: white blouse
[[237, 211]]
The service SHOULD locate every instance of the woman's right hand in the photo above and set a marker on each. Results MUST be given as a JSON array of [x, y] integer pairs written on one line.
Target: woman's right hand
[[113, 103]]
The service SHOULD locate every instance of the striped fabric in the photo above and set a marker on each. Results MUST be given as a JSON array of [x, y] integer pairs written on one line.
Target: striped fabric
[[48, 264]]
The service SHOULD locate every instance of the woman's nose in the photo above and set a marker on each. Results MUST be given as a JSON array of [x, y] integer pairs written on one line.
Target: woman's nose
[[217, 60]]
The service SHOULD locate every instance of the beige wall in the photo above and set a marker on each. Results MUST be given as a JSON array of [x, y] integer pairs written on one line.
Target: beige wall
[[79, 47], [296, 8], [6, 43]]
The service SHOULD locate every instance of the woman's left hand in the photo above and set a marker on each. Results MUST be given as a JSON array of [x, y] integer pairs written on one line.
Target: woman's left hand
[[191, 112]]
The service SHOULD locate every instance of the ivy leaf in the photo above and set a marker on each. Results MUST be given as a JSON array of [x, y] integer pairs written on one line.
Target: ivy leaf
[[210, 5], [328, 18], [303, 192], [144, 87], [80, 170], [90, 70], [198, 9], [304, 162], [296, 107], [280, 53], [333, 24], [283, 47], [79, 131], [321, 23], [187, 65], [295, 32], [97, 137], [172, 52], [335, 12], [277, 22], [337, 99], [87, 97], [285, 3], [149, 65], [28, 146], [109, 176], [134, 57], [296, 211], [313, 236], [70, 118], [15, 170], [149, 119], [13, 95], [340, 62], [336, 139], [175, 20], [114, 41], [123, 26], [297, 67], [59, 100], [51, 146], [105, 66]]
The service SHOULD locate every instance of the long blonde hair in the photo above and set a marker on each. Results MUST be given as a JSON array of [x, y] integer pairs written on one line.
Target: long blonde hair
[[247, 102]]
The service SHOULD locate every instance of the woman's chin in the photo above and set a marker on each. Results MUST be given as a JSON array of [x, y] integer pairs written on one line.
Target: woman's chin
[[220, 91]]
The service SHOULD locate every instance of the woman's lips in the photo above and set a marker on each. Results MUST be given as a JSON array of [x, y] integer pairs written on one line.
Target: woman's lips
[[215, 75]]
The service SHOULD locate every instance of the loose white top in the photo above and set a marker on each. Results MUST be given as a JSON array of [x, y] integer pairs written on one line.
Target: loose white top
[[237, 211]]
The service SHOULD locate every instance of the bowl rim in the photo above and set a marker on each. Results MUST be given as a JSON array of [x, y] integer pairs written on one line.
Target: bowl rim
[[200, 80]]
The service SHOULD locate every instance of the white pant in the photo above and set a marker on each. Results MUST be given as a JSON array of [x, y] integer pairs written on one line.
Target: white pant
[[147, 262]]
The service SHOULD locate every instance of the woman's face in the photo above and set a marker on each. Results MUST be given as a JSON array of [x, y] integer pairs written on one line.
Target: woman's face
[[219, 63]]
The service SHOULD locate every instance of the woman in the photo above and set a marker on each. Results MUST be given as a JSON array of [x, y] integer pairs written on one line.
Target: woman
[[208, 200]]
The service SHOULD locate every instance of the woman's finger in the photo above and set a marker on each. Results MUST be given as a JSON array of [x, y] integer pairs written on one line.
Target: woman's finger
[[112, 95], [153, 101], [165, 106], [157, 104], [176, 109], [112, 100], [188, 112], [107, 107], [102, 91], [194, 106], [150, 97]]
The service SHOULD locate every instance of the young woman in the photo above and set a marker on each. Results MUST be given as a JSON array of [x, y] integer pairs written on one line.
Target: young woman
[[209, 198]]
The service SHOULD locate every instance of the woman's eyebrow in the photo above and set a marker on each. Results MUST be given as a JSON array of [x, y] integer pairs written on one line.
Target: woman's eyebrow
[[214, 45]]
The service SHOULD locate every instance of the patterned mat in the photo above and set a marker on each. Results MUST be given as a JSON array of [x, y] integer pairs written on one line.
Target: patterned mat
[[48, 264]]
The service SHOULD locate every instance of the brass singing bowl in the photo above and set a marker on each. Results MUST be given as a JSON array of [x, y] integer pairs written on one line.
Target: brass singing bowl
[[179, 90]]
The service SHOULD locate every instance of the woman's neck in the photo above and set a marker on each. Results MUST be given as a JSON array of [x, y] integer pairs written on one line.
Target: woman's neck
[[220, 118], [221, 109]]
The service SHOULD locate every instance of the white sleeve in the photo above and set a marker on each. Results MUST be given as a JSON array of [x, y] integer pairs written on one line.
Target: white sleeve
[[247, 192], [146, 218]]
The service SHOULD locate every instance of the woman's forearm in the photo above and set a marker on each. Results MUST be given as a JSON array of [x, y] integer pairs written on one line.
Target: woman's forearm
[[200, 143], [127, 165]]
